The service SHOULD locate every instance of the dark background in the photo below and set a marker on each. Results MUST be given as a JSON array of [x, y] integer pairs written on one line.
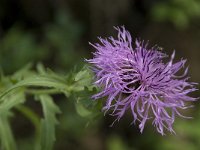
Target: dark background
[[56, 33]]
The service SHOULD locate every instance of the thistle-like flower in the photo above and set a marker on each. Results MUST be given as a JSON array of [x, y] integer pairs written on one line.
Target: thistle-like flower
[[137, 79]]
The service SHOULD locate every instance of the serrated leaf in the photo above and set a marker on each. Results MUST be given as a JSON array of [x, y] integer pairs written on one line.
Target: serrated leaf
[[83, 79], [83, 76], [49, 122], [80, 75]]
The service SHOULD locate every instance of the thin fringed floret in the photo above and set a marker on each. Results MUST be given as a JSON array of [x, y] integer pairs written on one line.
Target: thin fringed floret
[[137, 79]]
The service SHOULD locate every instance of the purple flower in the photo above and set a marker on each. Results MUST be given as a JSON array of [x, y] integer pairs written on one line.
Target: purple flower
[[138, 79]]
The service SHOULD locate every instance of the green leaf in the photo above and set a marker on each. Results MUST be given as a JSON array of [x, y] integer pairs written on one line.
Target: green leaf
[[7, 139], [84, 97], [12, 100], [50, 110], [41, 69], [83, 79], [42, 81], [83, 76], [81, 110]]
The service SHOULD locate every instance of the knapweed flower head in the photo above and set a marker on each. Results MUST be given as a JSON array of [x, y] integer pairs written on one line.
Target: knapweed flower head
[[139, 79]]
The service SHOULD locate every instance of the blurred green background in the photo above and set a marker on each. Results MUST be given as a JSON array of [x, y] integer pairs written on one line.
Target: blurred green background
[[56, 33]]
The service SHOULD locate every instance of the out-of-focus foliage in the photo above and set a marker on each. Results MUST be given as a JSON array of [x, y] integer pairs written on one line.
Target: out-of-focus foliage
[[63, 37], [18, 48], [179, 12], [57, 44]]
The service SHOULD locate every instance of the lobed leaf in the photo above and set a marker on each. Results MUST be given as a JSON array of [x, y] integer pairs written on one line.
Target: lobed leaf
[[50, 109]]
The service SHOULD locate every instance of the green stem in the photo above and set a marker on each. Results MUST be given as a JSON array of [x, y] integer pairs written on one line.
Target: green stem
[[42, 91]]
